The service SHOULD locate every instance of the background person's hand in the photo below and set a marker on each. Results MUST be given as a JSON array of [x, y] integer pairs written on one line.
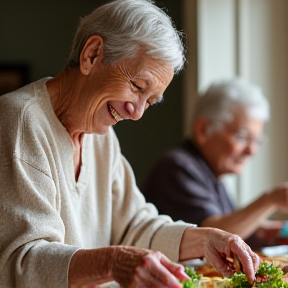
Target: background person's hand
[[279, 196], [133, 267], [221, 248]]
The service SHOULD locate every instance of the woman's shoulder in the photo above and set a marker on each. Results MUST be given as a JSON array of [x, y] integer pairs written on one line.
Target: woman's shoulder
[[26, 114], [22, 98]]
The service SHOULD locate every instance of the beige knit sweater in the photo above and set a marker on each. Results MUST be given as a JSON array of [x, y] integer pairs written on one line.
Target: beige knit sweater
[[45, 215]]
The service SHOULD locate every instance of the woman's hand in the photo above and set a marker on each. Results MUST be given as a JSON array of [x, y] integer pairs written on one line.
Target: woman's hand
[[229, 253], [129, 266], [134, 267], [225, 251]]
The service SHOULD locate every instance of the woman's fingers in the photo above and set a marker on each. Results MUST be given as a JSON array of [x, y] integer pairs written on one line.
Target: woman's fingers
[[176, 269], [155, 276], [217, 259], [248, 260], [161, 269], [228, 253]]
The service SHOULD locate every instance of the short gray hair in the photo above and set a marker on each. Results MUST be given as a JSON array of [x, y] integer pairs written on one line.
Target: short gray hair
[[127, 27], [220, 101]]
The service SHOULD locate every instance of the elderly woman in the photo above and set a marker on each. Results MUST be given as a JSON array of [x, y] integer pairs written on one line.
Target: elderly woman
[[71, 213], [225, 132]]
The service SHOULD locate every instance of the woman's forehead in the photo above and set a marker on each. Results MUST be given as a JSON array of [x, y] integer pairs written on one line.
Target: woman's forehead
[[147, 69]]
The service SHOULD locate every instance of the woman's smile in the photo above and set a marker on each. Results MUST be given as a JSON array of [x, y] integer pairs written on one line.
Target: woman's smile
[[117, 117]]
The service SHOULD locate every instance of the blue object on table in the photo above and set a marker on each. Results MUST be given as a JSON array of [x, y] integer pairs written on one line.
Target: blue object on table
[[284, 231]]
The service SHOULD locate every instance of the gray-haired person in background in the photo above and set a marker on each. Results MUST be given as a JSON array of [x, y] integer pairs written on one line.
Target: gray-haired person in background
[[185, 181], [71, 213]]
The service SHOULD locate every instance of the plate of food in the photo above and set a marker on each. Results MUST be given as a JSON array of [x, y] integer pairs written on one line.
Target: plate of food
[[267, 276], [272, 273]]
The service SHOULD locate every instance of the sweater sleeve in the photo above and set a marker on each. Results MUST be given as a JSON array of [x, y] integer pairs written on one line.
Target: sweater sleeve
[[33, 253], [138, 223], [32, 249]]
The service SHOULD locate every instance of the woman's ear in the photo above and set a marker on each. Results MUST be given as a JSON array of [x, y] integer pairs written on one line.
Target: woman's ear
[[200, 129], [91, 54]]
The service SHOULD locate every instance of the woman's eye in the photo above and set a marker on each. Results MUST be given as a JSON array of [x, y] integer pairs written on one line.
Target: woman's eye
[[136, 86]]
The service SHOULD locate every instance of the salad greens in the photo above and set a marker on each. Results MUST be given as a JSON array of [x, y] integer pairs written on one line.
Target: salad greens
[[192, 273], [195, 277], [267, 276]]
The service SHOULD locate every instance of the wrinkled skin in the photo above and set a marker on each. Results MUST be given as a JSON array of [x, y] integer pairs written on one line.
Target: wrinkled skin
[[94, 96], [229, 246], [82, 97], [151, 269], [136, 268], [130, 266]]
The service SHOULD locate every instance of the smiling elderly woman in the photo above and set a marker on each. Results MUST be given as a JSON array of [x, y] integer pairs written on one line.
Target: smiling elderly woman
[[71, 212]]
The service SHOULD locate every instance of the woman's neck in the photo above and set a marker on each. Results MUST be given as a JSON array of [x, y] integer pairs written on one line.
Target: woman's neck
[[65, 94]]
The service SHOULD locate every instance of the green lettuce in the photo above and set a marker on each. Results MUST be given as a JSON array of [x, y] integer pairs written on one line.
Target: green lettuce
[[271, 274], [267, 276], [195, 277]]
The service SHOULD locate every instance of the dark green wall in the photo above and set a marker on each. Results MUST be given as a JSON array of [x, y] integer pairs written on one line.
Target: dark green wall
[[40, 33]]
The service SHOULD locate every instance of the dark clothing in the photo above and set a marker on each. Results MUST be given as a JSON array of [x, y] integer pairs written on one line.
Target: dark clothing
[[182, 185]]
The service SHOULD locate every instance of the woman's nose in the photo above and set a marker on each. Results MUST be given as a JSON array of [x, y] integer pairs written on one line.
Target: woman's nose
[[136, 110]]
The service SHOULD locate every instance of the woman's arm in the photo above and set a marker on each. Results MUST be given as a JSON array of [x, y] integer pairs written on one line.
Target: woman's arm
[[129, 266]]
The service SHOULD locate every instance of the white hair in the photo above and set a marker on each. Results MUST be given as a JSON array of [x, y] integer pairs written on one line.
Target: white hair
[[222, 99], [128, 27]]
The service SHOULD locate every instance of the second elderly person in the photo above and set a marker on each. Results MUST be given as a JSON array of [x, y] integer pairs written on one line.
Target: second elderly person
[[186, 181]]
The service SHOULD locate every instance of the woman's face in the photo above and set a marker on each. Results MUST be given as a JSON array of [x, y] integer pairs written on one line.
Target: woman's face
[[227, 149], [124, 91]]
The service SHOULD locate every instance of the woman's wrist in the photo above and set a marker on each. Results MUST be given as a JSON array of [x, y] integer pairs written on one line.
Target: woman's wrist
[[192, 242], [91, 266]]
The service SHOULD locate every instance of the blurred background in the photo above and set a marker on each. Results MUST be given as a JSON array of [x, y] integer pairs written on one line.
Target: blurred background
[[224, 38]]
